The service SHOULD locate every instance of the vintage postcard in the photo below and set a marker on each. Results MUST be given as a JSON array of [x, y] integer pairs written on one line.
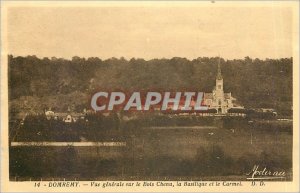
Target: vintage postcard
[[149, 96]]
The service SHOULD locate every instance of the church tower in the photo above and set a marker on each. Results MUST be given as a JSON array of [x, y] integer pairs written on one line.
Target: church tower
[[219, 100], [219, 79], [219, 92]]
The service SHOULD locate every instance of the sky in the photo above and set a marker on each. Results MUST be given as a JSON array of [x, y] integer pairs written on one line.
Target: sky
[[150, 32]]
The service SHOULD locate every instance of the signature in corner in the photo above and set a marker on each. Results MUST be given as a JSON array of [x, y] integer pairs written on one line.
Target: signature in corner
[[259, 173]]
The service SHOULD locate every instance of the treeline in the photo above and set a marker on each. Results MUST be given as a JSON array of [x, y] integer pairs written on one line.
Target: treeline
[[254, 82]]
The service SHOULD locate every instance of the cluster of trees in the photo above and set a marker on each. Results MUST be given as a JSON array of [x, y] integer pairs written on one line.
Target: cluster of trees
[[94, 127], [254, 82]]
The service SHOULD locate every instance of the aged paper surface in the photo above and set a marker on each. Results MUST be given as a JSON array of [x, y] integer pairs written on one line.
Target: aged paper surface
[[149, 96]]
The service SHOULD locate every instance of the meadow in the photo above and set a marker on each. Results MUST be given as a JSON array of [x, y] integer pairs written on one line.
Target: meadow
[[200, 152]]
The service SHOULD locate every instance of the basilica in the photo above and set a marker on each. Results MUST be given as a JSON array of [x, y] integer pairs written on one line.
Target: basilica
[[218, 99]]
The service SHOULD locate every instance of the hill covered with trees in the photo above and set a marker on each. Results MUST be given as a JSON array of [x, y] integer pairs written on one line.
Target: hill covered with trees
[[58, 83]]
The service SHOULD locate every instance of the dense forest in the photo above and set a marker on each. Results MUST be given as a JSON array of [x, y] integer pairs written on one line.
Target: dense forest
[[61, 84]]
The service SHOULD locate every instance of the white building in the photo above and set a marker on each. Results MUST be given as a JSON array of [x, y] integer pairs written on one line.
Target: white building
[[219, 100]]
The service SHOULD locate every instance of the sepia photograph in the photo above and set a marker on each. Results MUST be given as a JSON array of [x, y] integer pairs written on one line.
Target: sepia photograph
[[161, 94]]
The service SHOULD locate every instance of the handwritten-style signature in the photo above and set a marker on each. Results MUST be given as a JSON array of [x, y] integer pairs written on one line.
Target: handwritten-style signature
[[262, 173]]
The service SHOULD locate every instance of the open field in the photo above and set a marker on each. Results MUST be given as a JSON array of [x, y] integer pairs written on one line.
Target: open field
[[158, 152]]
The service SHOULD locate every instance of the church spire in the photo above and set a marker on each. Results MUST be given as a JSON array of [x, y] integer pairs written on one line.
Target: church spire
[[219, 75]]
